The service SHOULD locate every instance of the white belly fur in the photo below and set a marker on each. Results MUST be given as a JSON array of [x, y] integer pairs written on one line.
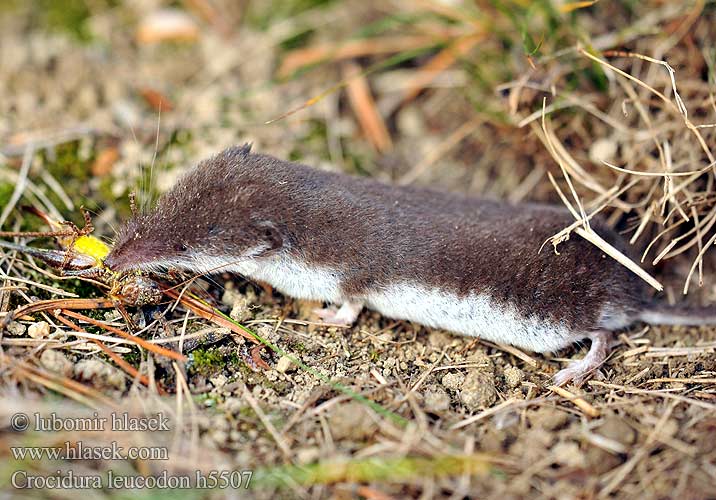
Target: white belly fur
[[475, 314]]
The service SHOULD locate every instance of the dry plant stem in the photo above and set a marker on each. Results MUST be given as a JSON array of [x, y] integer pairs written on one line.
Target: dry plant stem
[[707, 223], [487, 413], [297, 59], [141, 342], [440, 62], [678, 108], [45, 305], [278, 438], [184, 394], [441, 150], [363, 104], [20, 184], [585, 231], [553, 151], [206, 312], [579, 402], [133, 372], [70, 388]]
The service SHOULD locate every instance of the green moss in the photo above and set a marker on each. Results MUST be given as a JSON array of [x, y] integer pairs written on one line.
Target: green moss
[[69, 16], [206, 361], [297, 40], [65, 162], [263, 14], [6, 190]]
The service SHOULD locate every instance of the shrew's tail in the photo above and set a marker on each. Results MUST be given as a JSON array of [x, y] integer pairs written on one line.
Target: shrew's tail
[[664, 314]]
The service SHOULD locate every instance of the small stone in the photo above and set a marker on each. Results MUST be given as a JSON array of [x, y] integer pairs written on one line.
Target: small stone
[[453, 380], [513, 376], [16, 329], [100, 374], [230, 294], [603, 150], [285, 365], [385, 337], [438, 338], [481, 361], [569, 454], [167, 25], [219, 380], [549, 418], [411, 123], [436, 399], [618, 430], [54, 361], [233, 405], [352, 421], [39, 330], [307, 455], [241, 309], [478, 390]]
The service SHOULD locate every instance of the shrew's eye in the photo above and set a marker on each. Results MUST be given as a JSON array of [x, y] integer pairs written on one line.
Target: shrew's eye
[[180, 247]]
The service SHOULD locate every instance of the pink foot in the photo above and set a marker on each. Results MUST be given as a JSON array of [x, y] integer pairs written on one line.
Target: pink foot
[[579, 371], [345, 315]]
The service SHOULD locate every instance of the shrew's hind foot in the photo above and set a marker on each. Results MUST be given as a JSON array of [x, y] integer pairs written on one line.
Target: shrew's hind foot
[[579, 371]]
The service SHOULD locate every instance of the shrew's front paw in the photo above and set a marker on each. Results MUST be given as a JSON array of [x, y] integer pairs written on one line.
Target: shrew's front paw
[[345, 315]]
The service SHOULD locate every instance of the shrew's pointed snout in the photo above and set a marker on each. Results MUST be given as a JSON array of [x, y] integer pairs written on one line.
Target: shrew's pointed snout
[[121, 258]]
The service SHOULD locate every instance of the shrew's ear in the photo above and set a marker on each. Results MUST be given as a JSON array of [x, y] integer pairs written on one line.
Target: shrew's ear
[[269, 234]]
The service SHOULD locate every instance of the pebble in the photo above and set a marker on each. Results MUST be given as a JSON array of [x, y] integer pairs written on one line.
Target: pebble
[[617, 429], [100, 374], [569, 454], [439, 338], [54, 361], [478, 390], [307, 455], [436, 399], [285, 365], [549, 418], [39, 330], [453, 380], [16, 329], [241, 309], [603, 150], [351, 421], [513, 376]]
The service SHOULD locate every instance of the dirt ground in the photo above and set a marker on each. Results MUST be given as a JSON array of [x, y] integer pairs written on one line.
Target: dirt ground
[[102, 98]]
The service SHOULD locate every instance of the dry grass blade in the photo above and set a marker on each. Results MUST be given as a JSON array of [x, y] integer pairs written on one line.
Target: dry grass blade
[[70, 388], [161, 351], [133, 372], [278, 437], [443, 60], [49, 305], [583, 229], [578, 401], [20, 184], [355, 48], [365, 109], [207, 312], [485, 414], [679, 107], [452, 140]]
